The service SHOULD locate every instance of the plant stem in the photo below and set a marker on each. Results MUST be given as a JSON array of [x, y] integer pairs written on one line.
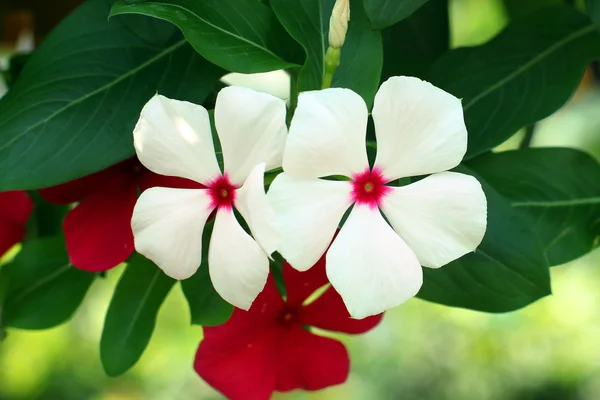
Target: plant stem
[[527, 139], [331, 61], [294, 72]]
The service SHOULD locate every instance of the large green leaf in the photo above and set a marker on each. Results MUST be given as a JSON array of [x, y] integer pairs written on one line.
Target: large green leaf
[[506, 272], [593, 9], [238, 35], [362, 55], [523, 75], [556, 190], [383, 13], [74, 106], [43, 290], [132, 313], [207, 308], [305, 21], [413, 45]]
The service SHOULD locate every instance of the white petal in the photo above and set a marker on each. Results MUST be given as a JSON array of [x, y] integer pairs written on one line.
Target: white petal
[[441, 217], [308, 211], [251, 128], [420, 129], [276, 83], [251, 201], [173, 138], [167, 228], [327, 135], [371, 266], [237, 265]]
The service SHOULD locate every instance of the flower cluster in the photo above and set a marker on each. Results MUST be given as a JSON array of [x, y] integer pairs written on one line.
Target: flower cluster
[[269, 348], [375, 262]]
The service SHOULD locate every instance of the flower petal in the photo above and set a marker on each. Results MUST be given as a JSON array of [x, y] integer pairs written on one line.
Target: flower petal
[[173, 138], [441, 217], [98, 231], [371, 266], [78, 189], [329, 312], [251, 201], [239, 357], [238, 266], [420, 129], [167, 227], [310, 362], [308, 211], [300, 285], [148, 179], [251, 128], [327, 135], [15, 209]]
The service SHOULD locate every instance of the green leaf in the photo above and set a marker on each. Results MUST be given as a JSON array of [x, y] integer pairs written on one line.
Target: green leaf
[[406, 56], [74, 106], [207, 308], [557, 191], [518, 8], [132, 313], [44, 290], [384, 13], [305, 21], [238, 35], [506, 272], [521, 76], [593, 9], [362, 55]]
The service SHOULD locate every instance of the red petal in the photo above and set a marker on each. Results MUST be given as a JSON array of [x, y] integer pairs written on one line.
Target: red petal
[[310, 362], [15, 209], [148, 179], [81, 188], [98, 231], [329, 312], [300, 285], [238, 358]]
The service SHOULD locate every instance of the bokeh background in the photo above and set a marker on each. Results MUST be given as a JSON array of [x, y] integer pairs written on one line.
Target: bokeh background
[[547, 351]]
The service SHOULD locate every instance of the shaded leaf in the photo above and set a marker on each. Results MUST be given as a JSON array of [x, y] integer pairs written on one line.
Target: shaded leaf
[[523, 75], [556, 190], [131, 316], [384, 13], [74, 106], [43, 288], [238, 35], [507, 271], [207, 308]]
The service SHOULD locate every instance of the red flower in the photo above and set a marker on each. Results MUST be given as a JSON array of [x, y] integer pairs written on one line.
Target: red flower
[[269, 348], [98, 230], [15, 209]]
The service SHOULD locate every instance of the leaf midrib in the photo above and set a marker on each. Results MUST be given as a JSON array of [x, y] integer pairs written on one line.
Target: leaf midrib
[[40, 283], [557, 203], [120, 344], [229, 33], [108, 86], [513, 75]]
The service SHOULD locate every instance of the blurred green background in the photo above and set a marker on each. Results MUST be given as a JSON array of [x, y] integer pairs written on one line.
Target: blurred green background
[[548, 351]]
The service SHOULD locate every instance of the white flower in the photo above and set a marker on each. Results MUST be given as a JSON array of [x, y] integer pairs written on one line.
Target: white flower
[[373, 264], [338, 23], [174, 138]]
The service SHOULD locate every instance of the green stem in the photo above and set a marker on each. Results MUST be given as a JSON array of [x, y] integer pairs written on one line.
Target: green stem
[[294, 72], [331, 61], [528, 138]]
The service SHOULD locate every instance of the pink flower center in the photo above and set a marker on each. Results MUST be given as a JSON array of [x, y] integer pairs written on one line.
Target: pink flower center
[[222, 192], [369, 188], [288, 316]]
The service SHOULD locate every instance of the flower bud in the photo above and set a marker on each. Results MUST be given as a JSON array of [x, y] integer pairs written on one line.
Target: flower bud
[[338, 23]]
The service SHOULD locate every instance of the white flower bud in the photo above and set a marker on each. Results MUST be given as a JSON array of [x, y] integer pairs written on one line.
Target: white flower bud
[[338, 23]]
